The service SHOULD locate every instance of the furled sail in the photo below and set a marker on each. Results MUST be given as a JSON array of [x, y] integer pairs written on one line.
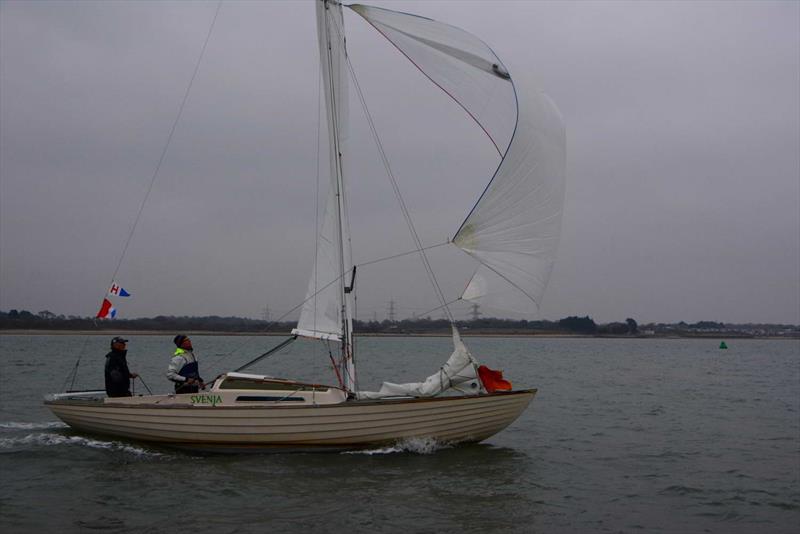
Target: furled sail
[[459, 373], [325, 311], [514, 228]]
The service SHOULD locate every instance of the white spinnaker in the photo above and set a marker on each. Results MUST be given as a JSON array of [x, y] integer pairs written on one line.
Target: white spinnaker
[[459, 63], [321, 315], [514, 228]]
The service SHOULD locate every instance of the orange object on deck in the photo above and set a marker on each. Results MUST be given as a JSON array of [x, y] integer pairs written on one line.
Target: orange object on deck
[[493, 380]]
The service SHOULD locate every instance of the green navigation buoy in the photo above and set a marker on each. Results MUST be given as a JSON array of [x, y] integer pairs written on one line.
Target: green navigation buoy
[[722, 345]]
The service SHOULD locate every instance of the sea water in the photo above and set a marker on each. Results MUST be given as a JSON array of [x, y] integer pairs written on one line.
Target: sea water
[[625, 435]]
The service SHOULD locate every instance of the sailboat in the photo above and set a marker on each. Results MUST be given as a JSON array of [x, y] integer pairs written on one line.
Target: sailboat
[[510, 234]]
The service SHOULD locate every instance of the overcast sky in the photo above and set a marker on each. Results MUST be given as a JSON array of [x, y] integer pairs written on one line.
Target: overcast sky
[[683, 170]]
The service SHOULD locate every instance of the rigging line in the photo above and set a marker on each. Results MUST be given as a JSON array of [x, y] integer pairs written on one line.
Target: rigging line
[[316, 191], [399, 196], [323, 288], [266, 354], [326, 286], [169, 140], [395, 187], [276, 321], [169, 137], [437, 308], [353, 338], [334, 365], [74, 373], [155, 173], [495, 271], [402, 254], [316, 227], [144, 384]]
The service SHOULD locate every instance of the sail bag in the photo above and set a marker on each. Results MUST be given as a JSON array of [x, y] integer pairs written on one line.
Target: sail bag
[[459, 373]]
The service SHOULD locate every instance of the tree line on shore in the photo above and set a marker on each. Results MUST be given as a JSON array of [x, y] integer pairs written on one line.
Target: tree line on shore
[[573, 325], [45, 320]]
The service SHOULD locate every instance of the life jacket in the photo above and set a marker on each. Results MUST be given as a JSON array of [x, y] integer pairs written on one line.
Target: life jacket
[[189, 369]]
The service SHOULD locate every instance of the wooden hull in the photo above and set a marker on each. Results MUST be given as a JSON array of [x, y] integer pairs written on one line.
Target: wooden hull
[[348, 425]]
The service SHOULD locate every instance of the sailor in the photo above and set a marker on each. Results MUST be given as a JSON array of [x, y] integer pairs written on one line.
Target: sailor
[[118, 376], [183, 369]]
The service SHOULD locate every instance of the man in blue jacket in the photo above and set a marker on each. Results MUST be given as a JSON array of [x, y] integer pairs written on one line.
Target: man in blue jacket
[[183, 369]]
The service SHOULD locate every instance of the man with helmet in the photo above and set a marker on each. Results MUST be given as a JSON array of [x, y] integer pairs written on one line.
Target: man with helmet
[[118, 376], [183, 369]]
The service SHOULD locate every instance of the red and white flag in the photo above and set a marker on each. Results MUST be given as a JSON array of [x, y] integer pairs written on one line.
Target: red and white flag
[[107, 310]]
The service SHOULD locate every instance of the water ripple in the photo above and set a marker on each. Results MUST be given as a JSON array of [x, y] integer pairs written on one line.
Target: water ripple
[[681, 490], [13, 425]]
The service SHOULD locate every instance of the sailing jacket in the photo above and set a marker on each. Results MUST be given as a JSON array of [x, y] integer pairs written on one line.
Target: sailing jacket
[[118, 377], [182, 366]]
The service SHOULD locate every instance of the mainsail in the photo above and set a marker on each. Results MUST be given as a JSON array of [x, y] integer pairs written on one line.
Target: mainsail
[[326, 313]]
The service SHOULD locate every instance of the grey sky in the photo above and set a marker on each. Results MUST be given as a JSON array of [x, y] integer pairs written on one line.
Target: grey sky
[[683, 127]]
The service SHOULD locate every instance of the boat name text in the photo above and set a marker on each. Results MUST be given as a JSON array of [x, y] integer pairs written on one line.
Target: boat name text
[[213, 400]]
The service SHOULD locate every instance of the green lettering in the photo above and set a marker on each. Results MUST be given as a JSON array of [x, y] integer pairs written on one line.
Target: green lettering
[[207, 399]]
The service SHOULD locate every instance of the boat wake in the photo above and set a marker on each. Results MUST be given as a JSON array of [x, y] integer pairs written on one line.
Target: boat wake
[[13, 425], [46, 439], [412, 445]]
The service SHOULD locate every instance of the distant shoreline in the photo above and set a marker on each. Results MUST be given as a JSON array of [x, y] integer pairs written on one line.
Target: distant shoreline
[[34, 332], [22, 332]]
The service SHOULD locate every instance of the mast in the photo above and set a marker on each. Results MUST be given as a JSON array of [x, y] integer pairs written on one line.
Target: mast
[[333, 45]]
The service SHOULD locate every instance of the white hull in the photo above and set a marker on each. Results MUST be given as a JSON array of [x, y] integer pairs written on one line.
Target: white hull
[[346, 425]]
